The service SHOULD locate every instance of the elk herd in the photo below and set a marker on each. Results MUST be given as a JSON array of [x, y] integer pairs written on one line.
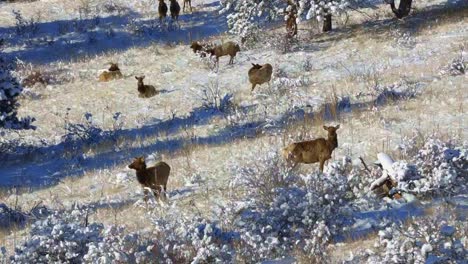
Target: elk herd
[[155, 178]]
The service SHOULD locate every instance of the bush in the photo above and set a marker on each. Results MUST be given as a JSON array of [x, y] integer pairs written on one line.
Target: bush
[[9, 91], [283, 211], [441, 167], [67, 237], [425, 240]]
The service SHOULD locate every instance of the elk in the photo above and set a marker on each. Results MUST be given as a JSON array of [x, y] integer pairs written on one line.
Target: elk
[[189, 5], [154, 177], [175, 9], [162, 10], [260, 74], [196, 46], [291, 25], [229, 48], [146, 91], [201, 48], [312, 151], [111, 74]]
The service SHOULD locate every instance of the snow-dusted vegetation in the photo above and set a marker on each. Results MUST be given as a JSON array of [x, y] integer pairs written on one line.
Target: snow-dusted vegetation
[[394, 185]]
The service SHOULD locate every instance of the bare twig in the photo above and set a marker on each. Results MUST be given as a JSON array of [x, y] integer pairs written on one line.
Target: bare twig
[[365, 165]]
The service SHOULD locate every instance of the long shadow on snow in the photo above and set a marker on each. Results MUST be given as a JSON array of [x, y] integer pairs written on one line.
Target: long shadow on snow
[[51, 169], [76, 44], [118, 203], [45, 165], [369, 220]]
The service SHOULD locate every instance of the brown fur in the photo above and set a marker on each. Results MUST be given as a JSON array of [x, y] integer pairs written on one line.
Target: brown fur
[[196, 46], [162, 10], [154, 177], [111, 74], [189, 4], [317, 150], [145, 91], [291, 25], [200, 48], [229, 48], [260, 74]]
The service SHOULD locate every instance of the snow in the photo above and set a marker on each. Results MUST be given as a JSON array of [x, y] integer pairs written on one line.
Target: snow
[[230, 196]]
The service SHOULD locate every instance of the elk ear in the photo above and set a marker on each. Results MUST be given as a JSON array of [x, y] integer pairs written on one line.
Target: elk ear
[[253, 64], [337, 127], [136, 77], [325, 127], [142, 77]]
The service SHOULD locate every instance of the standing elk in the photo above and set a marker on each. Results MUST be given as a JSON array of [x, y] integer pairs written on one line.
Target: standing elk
[[189, 5], [162, 10], [260, 74], [229, 48], [175, 10], [154, 178], [317, 150], [291, 25]]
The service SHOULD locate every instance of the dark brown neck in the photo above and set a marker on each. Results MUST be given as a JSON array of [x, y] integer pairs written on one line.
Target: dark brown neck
[[332, 142]]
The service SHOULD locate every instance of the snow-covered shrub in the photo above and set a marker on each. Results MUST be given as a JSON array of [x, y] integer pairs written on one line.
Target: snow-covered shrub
[[112, 6], [307, 64], [315, 248], [424, 240], [442, 166], [397, 91], [182, 239], [292, 82], [122, 178], [281, 211], [67, 237], [30, 75], [195, 179], [262, 180], [403, 39], [10, 217], [61, 237], [24, 26], [213, 97], [86, 131], [9, 91], [458, 66], [116, 246]]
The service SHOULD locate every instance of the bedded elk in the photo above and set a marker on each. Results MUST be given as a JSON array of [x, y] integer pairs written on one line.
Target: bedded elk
[[312, 151], [111, 74], [145, 91]]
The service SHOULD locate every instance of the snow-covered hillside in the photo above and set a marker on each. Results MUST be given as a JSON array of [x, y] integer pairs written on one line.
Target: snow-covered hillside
[[394, 86]]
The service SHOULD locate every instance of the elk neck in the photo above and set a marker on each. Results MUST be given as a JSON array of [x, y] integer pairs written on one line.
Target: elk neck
[[332, 142]]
